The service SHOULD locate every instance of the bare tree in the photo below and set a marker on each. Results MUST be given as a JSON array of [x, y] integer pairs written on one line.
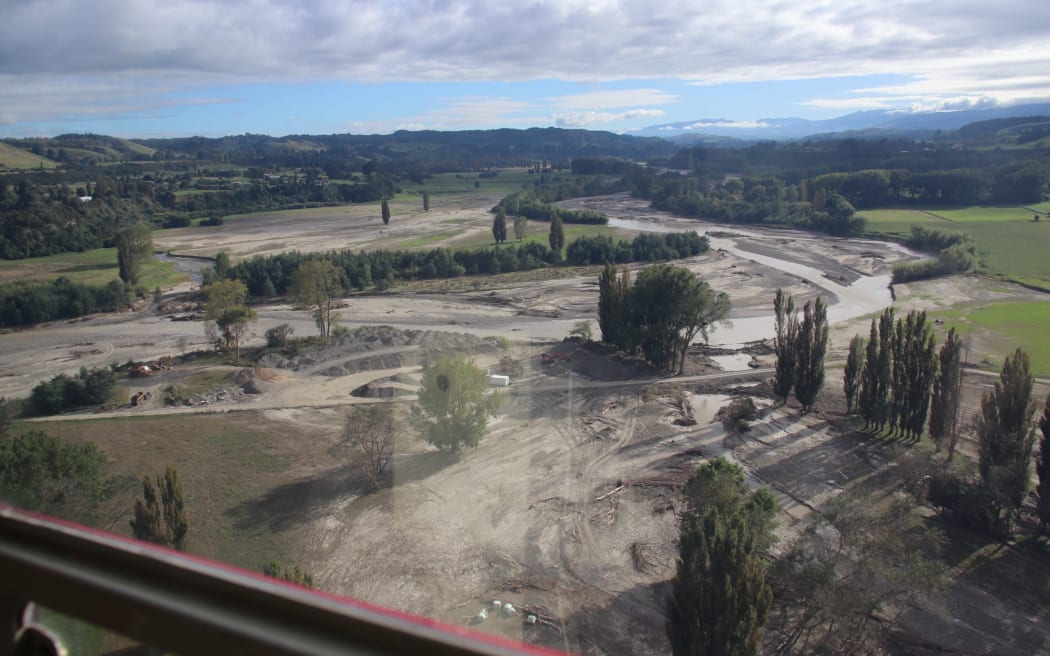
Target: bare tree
[[369, 437]]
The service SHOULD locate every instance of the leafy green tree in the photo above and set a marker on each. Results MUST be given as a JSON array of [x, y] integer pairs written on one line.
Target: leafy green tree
[[785, 343], [1043, 470], [613, 287], [134, 247], [666, 308], [499, 226], [719, 597], [556, 238], [947, 393], [317, 284], [521, 227], [426, 201], [42, 472], [812, 345], [226, 315], [1005, 438], [385, 209], [220, 268], [854, 370], [454, 403]]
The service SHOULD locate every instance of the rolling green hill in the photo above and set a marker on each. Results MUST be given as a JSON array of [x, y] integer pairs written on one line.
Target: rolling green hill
[[16, 158]]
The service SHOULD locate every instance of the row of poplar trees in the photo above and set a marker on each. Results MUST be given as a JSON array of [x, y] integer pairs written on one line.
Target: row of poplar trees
[[800, 345], [898, 378]]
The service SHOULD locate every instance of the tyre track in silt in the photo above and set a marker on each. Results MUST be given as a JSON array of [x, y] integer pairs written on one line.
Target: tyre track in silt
[[579, 544]]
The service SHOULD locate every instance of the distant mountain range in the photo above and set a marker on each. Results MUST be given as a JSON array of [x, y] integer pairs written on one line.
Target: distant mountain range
[[864, 124]]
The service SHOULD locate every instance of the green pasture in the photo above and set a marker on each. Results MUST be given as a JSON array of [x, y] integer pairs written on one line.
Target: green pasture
[[1011, 245], [1005, 327], [95, 267]]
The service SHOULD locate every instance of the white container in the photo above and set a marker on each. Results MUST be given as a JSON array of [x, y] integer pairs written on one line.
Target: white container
[[496, 380]]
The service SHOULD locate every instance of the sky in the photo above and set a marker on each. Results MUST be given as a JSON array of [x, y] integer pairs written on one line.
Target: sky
[[145, 68]]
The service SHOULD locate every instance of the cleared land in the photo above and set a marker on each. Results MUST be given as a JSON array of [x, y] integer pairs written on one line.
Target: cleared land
[[567, 508]]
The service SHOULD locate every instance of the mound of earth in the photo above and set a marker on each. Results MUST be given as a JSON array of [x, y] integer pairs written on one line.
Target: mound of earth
[[378, 347], [388, 388], [250, 379]]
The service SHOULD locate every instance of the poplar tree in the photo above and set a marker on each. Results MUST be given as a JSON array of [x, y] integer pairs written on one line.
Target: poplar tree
[[385, 208], [719, 597], [878, 369], [1004, 437], [914, 368], [557, 234], [947, 390], [851, 378], [811, 346], [499, 226], [612, 288], [426, 201], [1042, 470], [786, 324]]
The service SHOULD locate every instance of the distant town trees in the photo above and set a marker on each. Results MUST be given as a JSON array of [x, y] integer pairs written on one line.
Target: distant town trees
[[134, 248], [160, 515], [719, 596], [316, 285], [661, 313], [454, 403]]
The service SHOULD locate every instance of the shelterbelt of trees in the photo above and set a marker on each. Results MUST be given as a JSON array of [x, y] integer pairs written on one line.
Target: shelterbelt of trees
[[271, 276]]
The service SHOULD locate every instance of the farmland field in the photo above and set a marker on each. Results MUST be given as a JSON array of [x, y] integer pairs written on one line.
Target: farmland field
[[95, 267], [1011, 245]]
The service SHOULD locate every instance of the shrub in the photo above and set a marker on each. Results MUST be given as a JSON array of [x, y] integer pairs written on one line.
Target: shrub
[[738, 414], [277, 337]]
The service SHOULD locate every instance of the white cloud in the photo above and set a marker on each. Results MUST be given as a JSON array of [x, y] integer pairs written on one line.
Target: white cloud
[[744, 125], [120, 51], [585, 119]]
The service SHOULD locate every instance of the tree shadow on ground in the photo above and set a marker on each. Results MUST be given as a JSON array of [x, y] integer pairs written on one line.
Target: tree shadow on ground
[[996, 602], [415, 467], [632, 622], [292, 504]]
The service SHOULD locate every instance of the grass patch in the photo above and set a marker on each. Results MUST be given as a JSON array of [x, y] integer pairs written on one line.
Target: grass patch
[[984, 214], [16, 158], [1009, 325], [425, 240], [224, 463], [95, 267]]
